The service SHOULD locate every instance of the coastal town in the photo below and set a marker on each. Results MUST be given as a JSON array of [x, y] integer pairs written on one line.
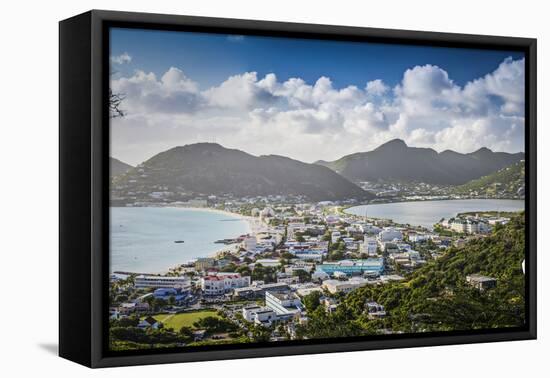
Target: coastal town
[[261, 207], [297, 259]]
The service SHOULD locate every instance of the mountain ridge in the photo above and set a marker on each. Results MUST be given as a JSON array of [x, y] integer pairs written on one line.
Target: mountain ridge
[[394, 160], [211, 169], [117, 167]]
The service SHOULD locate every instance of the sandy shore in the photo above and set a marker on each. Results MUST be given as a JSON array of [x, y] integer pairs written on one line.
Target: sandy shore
[[254, 225]]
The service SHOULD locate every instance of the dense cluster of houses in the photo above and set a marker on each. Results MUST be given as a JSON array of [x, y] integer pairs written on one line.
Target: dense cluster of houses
[[309, 250]]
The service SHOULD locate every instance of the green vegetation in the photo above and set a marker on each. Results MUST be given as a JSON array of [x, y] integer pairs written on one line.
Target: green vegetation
[[187, 319], [336, 250], [214, 324], [311, 301], [264, 273], [506, 182], [302, 275], [175, 330], [436, 297], [440, 230]]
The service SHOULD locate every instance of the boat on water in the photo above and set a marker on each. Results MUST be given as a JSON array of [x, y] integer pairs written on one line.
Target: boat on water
[[179, 241]]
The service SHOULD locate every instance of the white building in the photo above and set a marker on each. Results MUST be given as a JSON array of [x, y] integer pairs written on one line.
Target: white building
[[299, 265], [284, 304], [375, 310], [267, 212], [389, 234], [418, 238], [267, 262], [294, 227], [318, 257], [154, 282], [221, 283], [369, 246], [371, 229], [259, 315], [468, 226], [287, 278], [305, 289], [337, 286], [249, 243], [481, 282], [319, 275], [335, 236]]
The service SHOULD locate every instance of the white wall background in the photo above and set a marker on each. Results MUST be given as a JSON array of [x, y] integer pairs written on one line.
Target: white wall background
[[29, 215]]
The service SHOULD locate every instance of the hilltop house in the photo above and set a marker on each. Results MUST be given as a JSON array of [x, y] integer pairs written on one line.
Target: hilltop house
[[337, 286], [374, 310], [481, 282]]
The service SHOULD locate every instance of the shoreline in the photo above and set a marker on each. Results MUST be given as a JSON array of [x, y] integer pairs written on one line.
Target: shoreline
[[251, 225], [433, 200], [346, 211], [250, 222]]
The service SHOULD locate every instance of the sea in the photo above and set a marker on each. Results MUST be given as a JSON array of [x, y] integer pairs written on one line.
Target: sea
[[427, 213], [142, 239]]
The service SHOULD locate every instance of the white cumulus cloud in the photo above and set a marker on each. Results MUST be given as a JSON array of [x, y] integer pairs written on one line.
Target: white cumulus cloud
[[122, 58], [311, 121]]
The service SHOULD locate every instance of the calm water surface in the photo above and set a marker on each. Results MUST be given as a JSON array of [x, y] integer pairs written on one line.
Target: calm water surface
[[142, 238], [426, 213]]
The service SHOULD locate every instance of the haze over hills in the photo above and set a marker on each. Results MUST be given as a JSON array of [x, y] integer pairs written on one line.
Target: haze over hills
[[118, 167], [395, 160], [209, 168]]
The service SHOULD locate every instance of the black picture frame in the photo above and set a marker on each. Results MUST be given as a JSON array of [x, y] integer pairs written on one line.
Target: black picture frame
[[84, 189]]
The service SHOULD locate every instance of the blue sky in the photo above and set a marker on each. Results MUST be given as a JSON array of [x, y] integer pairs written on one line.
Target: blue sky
[[211, 58], [310, 99]]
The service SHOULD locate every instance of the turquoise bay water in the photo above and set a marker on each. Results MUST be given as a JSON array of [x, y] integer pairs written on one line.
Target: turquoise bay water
[[142, 238], [426, 213]]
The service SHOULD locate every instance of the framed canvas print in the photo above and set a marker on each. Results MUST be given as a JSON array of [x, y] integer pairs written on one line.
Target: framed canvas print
[[233, 188]]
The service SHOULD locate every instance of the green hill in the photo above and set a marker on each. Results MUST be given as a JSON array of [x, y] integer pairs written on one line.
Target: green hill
[[118, 167], [508, 182], [211, 169]]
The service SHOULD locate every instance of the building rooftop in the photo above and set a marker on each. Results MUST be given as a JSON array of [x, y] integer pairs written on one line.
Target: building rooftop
[[480, 278], [167, 278], [282, 296], [221, 277], [356, 263]]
